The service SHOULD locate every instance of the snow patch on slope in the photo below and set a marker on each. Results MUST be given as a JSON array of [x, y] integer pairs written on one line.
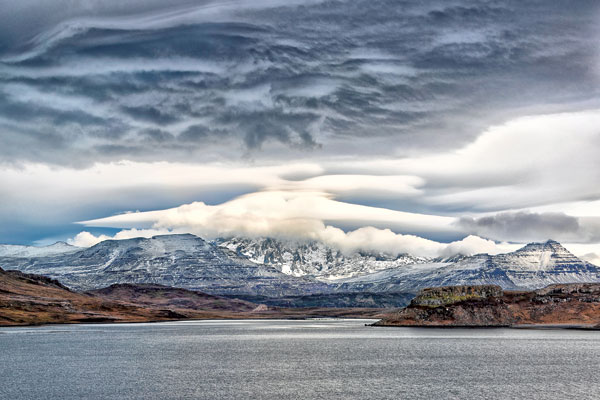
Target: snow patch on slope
[[314, 258]]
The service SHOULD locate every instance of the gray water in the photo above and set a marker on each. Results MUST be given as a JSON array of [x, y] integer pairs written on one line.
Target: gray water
[[318, 359]]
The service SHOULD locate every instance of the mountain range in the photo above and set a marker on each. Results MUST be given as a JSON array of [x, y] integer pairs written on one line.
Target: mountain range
[[280, 272], [184, 261]]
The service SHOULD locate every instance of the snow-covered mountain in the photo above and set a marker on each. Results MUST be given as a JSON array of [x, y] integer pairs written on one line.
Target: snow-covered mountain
[[314, 259], [14, 250], [534, 266], [303, 274], [185, 261]]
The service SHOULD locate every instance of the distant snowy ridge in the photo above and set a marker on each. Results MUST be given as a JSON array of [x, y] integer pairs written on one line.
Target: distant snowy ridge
[[13, 250], [534, 266]]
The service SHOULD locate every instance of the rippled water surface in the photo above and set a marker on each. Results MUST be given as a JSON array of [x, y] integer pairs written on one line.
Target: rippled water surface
[[317, 359]]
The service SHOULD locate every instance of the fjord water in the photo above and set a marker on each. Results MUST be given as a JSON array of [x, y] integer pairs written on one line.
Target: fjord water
[[313, 359]]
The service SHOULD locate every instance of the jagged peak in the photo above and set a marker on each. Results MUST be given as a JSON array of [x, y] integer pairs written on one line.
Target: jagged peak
[[300, 244]]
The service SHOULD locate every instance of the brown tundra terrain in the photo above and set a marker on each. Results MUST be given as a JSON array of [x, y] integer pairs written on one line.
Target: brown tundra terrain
[[27, 299]]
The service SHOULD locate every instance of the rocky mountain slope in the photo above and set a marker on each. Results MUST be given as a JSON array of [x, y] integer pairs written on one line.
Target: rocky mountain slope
[[562, 305], [185, 261], [313, 258], [536, 265]]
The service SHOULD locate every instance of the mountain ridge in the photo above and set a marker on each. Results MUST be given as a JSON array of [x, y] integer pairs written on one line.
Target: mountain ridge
[[17, 250], [533, 266], [264, 269], [313, 258], [185, 261]]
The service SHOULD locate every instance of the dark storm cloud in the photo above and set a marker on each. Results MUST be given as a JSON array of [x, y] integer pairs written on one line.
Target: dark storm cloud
[[104, 81], [529, 226]]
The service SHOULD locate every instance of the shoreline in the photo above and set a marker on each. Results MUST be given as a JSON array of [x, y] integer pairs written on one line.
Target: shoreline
[[274, 318], [185, 320], [522, 327]]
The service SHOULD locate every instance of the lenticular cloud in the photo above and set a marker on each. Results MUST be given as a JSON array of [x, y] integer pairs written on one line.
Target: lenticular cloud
[[296, 216]]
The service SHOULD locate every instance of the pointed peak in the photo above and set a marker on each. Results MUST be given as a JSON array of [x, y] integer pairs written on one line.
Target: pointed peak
[[549, 245], [60, 243], [553, 244]]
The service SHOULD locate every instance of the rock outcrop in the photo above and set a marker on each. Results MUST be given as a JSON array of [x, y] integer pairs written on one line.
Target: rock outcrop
[[560, 305], [442, 296]]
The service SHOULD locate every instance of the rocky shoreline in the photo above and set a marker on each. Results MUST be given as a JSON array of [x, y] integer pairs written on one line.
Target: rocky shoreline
[[566, 306]]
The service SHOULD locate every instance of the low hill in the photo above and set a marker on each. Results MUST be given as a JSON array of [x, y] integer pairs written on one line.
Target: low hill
[[28, 299], [159, 296]]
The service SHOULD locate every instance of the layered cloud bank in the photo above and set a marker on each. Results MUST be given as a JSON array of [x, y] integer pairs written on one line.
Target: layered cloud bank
[[309, 202], [298, 216], [433, 128], [500, 192], [100, 81], [284, 216], [366, 239]]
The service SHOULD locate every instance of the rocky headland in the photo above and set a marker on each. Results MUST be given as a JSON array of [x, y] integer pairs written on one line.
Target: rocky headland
[[574, 305]]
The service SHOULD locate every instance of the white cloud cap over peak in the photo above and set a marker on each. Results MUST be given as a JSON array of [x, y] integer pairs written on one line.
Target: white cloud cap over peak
[[301, 216]]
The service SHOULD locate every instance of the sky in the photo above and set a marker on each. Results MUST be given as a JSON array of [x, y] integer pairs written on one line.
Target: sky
[[432, 127]]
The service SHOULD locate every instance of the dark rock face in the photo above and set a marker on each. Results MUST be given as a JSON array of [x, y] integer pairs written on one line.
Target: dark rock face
[[34, 279], [580, 289], [573, 305]]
